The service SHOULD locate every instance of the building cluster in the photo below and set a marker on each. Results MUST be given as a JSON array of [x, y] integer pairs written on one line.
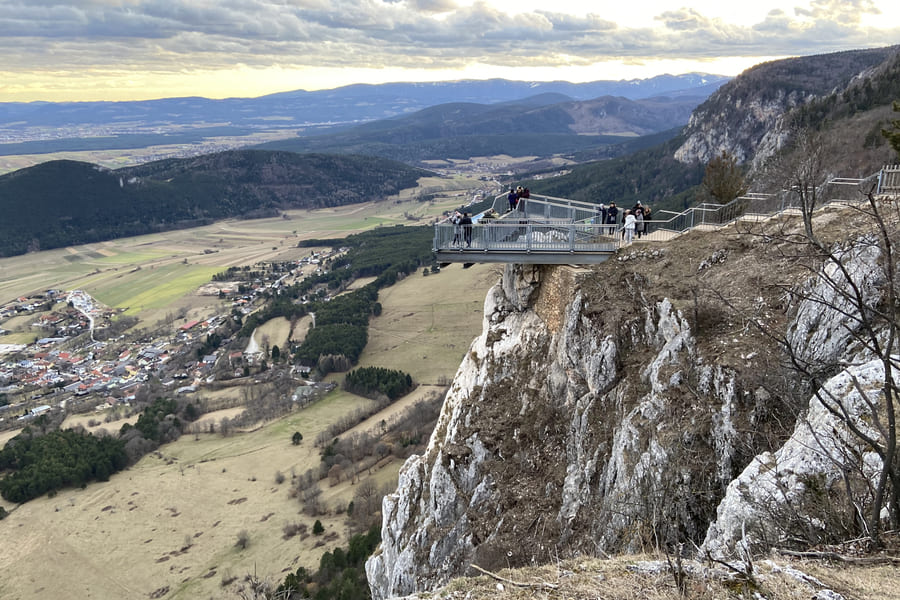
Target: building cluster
[[65, 366]]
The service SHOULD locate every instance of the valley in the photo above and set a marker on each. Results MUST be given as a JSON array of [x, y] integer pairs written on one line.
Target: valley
[[167, 526]]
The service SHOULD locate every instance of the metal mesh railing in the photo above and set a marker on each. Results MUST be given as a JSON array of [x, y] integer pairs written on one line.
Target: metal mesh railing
[[547, 224], [889, 180], [527, 236]]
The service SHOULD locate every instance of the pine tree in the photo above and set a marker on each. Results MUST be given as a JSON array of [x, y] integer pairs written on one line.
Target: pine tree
[[724, 179], [893, 134]]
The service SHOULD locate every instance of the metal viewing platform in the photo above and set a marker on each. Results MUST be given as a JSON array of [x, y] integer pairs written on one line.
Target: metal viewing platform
[[547, 230], [540, 230]]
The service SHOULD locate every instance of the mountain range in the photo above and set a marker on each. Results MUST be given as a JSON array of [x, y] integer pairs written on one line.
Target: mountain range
[[543, 125], [345, 105]]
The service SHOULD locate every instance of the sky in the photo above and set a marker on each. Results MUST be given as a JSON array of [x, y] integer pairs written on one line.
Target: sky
[[79, 50]]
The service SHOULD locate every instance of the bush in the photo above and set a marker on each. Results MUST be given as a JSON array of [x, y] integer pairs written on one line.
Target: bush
[[243, 539], [318, 529]]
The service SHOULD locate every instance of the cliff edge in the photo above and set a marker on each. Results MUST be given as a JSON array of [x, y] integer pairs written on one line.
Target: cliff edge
[[611, 409]]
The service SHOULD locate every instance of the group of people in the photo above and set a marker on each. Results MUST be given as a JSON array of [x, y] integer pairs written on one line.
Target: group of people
[[515, 195], [462, 229], [635, 219]]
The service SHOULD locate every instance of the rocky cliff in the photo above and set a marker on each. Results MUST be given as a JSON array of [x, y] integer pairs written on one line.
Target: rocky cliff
[[609, 410], [752, 116]]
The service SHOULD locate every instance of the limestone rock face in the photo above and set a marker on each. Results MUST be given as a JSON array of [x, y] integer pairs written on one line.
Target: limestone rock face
[[588, 416], [789, 492], [782, 493], [750, 129], [750, 116], [548, 444]]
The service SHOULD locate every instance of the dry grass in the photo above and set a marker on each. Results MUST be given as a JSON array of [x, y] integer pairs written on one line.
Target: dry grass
[[274, 332], [124, 538], [651, 578], [428, 323]]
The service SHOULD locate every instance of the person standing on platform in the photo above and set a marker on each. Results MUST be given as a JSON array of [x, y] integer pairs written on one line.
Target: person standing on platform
[[612, 214], [513, 199], [628, 231], [457, 228], [466, 223]]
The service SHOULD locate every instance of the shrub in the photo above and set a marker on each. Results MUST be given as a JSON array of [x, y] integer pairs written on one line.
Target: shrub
[[243, 539]]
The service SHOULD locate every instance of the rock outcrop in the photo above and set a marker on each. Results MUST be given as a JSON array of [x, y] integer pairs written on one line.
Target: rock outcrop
[[591, 416], [752, 116]]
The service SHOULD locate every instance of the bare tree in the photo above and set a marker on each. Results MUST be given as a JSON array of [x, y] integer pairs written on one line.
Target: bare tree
[[335, 475], [366, 497], [856, 281], [312, 500]]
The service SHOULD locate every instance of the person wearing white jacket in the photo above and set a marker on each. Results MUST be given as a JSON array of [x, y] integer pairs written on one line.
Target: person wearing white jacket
[[629, 226]]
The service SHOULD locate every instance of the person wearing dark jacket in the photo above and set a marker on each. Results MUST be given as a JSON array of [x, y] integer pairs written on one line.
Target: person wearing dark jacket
[[513, 199], [466, 223], [612, 214]]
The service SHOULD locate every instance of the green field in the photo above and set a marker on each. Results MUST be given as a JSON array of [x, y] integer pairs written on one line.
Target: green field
[[107, 266], [150, 288]]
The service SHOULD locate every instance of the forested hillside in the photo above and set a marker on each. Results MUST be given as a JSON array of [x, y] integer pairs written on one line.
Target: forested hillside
[[539, 126], [651, 176], [71, 202]]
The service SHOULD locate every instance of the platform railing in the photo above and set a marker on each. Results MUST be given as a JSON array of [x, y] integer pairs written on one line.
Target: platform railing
[[528, 236], [547, 224]]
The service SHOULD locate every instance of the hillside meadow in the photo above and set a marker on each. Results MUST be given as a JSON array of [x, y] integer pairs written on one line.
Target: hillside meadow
[[167, 527]]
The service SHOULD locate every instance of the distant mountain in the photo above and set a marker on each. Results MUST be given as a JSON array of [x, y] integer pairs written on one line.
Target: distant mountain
[[344, 105], [539, 126], [71, 202]]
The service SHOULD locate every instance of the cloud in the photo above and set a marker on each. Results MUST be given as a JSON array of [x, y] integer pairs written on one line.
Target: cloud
[[173, 36], [838, 11]]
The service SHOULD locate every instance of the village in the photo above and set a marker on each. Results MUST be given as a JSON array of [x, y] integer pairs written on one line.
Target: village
[[89, 359]]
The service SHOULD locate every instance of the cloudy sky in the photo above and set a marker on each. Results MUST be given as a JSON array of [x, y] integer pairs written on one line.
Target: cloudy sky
[[137, 49]]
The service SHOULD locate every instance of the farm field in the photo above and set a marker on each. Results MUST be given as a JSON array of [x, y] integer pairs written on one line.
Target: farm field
[[428, 323], [108, 269], [166, 527]]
